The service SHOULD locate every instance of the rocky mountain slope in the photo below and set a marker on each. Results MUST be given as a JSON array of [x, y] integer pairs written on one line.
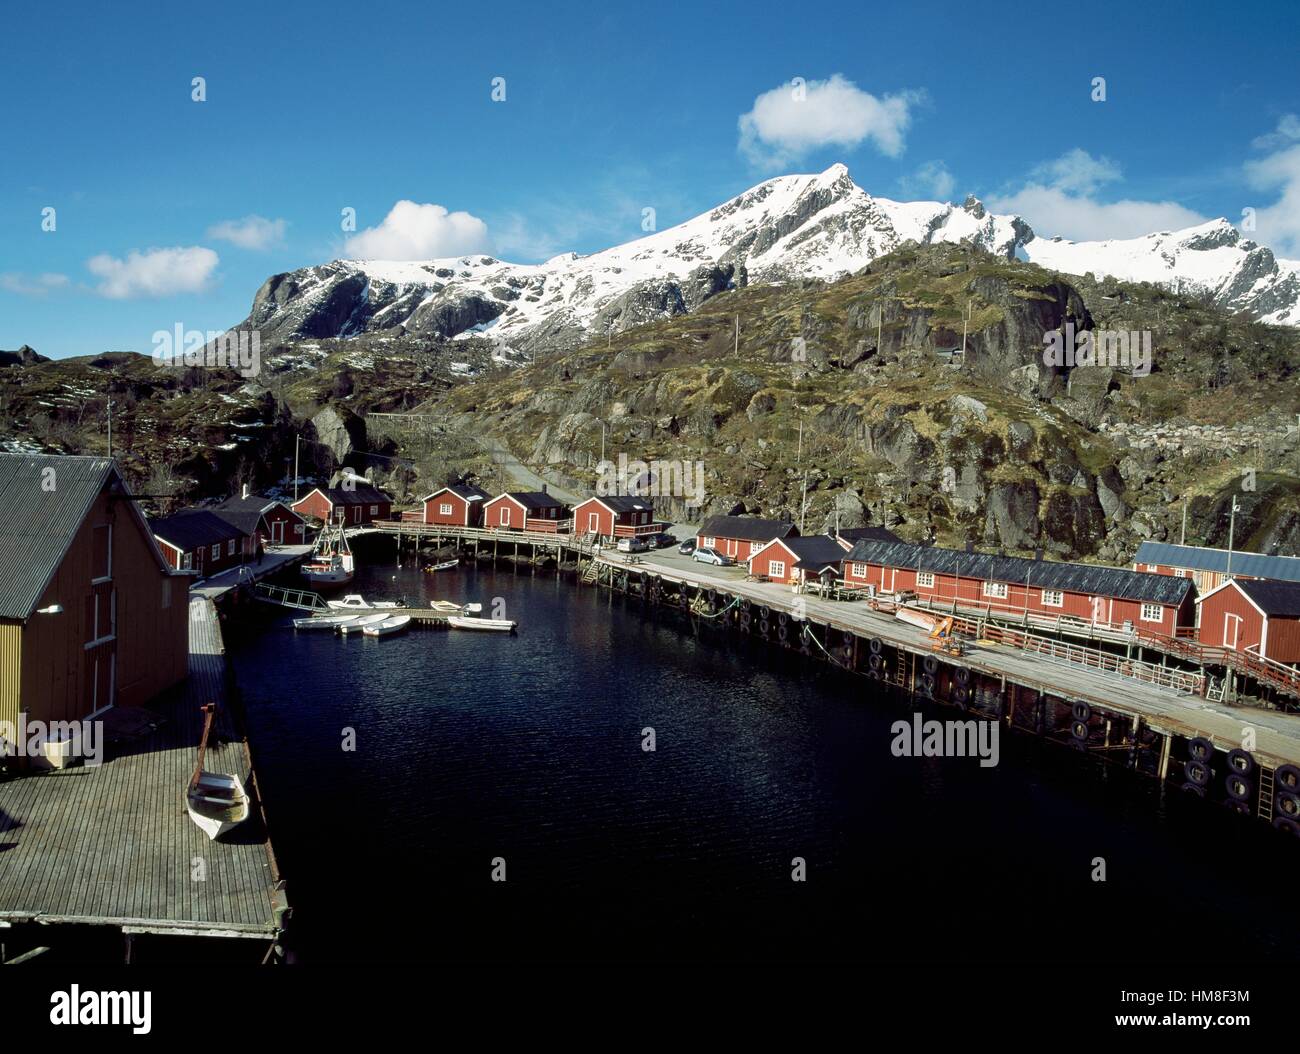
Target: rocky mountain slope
[[791, 228]]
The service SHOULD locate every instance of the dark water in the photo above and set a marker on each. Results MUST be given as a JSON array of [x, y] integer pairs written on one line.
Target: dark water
[[471, 747]]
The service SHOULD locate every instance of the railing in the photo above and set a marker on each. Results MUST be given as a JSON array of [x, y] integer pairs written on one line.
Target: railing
[[570, 542], [288, 597]]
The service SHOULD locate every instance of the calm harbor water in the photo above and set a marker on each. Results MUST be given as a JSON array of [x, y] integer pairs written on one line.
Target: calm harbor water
[[471, 747]]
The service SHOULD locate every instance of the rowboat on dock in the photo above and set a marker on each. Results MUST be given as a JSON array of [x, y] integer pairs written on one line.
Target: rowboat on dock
[[355, 601], [499, 625], [389, 626], [216, 801], [324, 621], [360, 622], [446, 565]]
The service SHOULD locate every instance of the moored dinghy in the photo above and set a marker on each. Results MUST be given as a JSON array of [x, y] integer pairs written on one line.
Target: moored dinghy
[[389, 626], [499, 625], [216, 801], [324, 621], [360, 622]]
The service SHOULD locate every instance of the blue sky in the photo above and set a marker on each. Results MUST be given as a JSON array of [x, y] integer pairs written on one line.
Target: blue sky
[[313, 108]]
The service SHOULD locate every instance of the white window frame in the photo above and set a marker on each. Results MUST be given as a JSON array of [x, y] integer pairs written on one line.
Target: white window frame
[[858, 570], [374, 510], [995, 590], [444, 509], [924, 579], [1159, 613], [503, 516], [1052, 598], [230, 548], [776, 568], [707, 543], [97, 639], [216, 551]]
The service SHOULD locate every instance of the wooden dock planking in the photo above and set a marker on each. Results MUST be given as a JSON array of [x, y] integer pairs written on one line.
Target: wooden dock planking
[[114, 845]]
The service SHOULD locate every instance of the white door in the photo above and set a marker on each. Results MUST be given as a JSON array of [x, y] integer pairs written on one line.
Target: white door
[[277, 532], [1231, 630], [593, 522], [504, 518]]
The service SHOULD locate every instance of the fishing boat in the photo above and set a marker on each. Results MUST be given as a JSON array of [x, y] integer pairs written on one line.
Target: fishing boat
[[446, 565], [216, 801], [324, 621], [331, 562], [389, 626], [360, 622], [500, 625], [358, 602]]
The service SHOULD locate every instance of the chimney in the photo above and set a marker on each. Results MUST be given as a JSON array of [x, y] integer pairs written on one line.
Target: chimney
[[244, 492], [543, 488], [970, 546], [1038, 554]]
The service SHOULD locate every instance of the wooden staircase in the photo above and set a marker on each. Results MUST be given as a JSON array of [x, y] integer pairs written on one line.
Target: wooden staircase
[[591, 572]]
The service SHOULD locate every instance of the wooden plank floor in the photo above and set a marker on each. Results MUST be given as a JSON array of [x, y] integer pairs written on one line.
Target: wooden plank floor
[[114, 844]]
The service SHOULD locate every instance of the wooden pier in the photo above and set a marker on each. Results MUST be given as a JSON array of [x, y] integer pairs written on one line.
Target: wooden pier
[[112, 846]]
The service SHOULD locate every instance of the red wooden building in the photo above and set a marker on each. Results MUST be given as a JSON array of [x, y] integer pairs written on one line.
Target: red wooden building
[[199, 540], [741, 536], [460, 505], [1253, 615], [350, 505], [1011, 586], [527, 510], [798, 559], [616, 516], [264, 520]]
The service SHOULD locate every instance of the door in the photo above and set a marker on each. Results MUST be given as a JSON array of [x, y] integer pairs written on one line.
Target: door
[[593, 523], [277, 532], [503, 517], [1231, 630]]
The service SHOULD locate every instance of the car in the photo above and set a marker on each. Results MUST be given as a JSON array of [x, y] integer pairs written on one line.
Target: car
[[687, 547], [712, 556], [662, 540], [631, 545]]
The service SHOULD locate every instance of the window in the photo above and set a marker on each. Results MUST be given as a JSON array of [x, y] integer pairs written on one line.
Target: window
[[858, 570], [216, 551], [101, 567], [925, 579], [1153, 613], [444, 509], [1053, 598], [776, 568], [101, 615], [1180, 573], [374, 510], [230, 548], [707, 543], [187, 562], [996, 589]]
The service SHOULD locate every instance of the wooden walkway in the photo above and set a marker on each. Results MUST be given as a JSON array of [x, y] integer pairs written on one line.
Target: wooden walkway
[[113, 844]]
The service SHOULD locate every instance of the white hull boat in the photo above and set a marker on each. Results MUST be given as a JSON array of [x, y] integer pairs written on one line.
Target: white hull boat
[[446, 607], [446, 565], [360, 622], [389, 626], [216, 801], [324, 621], [331, 562], [355, 601], [499, 625]]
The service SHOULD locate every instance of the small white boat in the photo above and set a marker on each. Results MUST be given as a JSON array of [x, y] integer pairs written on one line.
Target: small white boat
[[446, 565], [360, 622], [331, 562], [324, 621], [446, 607], [216, 801], [500, 625], [355, 601], [389, 626]]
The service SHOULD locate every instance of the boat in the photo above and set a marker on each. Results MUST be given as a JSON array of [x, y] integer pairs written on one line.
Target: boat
[[446, 565], [360, 622], [324, 621], [358, 602], [447, 607], [500, 625], [331, 562], [216, 801], [396, 624]]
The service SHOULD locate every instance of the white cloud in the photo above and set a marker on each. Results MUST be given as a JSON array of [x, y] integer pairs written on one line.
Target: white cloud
[[932, 179], [790, 121], [32, 285], [154, 272], [252, 232], [420, 232], [1059, 199], [1278, 225]]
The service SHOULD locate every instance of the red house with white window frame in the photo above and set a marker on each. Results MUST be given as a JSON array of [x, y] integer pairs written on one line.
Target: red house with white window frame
[[349, 505], [1253, 616], [741, 536], [616, 516], [1012, 586], [531, 510], [200, 541], [798, 559], [265, 520], [457, 506]]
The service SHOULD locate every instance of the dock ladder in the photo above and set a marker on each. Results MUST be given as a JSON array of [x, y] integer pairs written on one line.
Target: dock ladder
[[287, 597], [1265, 793]]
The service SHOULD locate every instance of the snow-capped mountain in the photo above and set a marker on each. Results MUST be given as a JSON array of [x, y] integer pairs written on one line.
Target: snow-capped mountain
[[784, 229]]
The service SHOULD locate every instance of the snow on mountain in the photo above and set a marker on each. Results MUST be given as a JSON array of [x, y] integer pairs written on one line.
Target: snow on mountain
[[784, 229]]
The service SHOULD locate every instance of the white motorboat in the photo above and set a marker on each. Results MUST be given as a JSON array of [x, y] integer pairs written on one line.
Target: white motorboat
[[331, 562], [389, 626], [355, 601], [324, 621], [500, 625], [446, 565], [360, 622], [216, 801]]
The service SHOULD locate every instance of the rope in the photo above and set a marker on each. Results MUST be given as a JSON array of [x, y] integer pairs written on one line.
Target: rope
[[813, 637], [735, 602]]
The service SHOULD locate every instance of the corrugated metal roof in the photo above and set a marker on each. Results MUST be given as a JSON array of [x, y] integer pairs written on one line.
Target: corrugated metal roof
[[192, 529], [746, 528], [40, 514], [871, 534], [1202, 558], [815, 550], [1092, 579], [625, 502]]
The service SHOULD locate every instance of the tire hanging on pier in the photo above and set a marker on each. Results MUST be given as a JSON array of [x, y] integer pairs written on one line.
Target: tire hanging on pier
[[931, 664], [1287, 825], [1287, 803], [962, 676], [1241, 761], [874, 663], [782, 632], [1239, 787], [1238, 806], [1079, 730], [1197, 772], [1082, 711], [876, 645], [960, 697], [1287, 776], [1201, 749]]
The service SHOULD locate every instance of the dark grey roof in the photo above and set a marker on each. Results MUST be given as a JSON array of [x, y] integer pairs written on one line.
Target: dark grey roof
[[1202, 558], [747, 528], [467, 491], [1093, 579], [533, 500], [246, 513], [358, 494], [39, 523], [870, 534], [815, 551], [1273, 598], [192, 529], [626, 502]]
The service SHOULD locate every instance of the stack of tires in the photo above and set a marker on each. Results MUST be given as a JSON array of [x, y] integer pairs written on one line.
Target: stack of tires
[[929, 675], [1239, 782], [1080, 715], [876, 659], [764, 625], [1286, 799], [783, 628], [1196, 769], [746, 617], [846, 648], [961, 688]]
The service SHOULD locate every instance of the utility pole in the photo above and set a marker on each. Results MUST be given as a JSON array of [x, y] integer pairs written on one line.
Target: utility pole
[[965, 319], [803, 505], [1182, 538], [110, 429], [735, 350], [880, 324], [296, 438], [1232, 525]]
